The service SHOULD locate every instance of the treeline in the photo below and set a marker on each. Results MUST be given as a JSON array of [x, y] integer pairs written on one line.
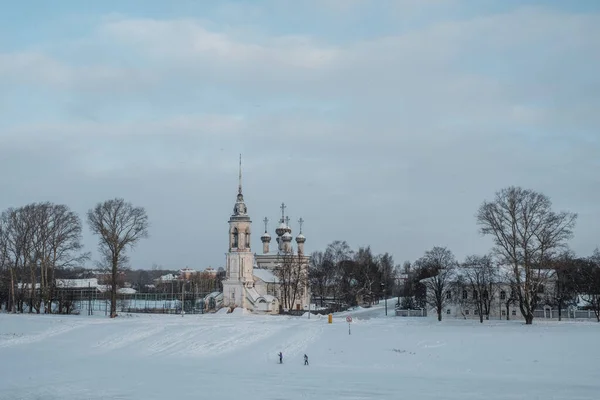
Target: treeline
[[530, 265], [42, 242], [37, 243], [340, 277]]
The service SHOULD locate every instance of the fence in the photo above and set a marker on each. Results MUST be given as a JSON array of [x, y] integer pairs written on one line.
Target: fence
[[422, 312], [154, 303], [549, 313]]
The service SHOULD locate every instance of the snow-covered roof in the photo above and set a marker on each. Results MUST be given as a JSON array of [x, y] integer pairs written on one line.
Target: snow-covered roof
[[77, 283], [253, 294], [269, 298], [265, 275], [168, 277], [215, 295], [22, 285], [126, 291]]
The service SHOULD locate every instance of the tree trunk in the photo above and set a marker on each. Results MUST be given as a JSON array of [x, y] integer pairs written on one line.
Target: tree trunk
[[113, 288], [439, 314], [508, 311], [13, 299], [559, 311], [528, 319], [480, 318]]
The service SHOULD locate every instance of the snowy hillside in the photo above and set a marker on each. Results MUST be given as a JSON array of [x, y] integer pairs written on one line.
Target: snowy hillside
[[235, 357]]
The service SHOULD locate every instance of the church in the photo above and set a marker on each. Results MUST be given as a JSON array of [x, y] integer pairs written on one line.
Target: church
[[273, 281]]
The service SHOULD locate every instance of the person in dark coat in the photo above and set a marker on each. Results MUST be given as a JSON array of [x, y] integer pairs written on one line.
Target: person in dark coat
[[280, 358], [305, 359]]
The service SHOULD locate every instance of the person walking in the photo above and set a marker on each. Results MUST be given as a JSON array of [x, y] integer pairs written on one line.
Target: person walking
[[305, 359], [280, 358]]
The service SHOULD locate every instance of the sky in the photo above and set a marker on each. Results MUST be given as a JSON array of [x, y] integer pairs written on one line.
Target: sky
[[382, 123]]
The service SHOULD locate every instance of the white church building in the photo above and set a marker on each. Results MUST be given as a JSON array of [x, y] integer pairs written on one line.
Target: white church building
[[252, 280]]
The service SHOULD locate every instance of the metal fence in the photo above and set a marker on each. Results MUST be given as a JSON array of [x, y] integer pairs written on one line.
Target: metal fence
[[422, 312], [566, 313], [153, 303]]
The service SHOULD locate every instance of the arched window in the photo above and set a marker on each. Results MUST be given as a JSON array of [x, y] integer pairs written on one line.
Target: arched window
[[475, 295], [247, 238], [503, 295], [235, 238]]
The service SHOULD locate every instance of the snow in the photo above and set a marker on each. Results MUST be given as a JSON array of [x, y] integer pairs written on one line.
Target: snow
[[77, 283], [226, 356], [265, 275]]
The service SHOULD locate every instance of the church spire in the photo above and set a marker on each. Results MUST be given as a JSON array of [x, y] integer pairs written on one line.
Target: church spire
[[240, 177], [240, 207]]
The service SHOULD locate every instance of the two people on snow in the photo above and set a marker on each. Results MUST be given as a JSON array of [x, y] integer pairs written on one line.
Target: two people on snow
[[281, 358]]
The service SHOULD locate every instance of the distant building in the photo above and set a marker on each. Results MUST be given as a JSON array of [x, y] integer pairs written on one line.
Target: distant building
[[251, 280], [187, 273]]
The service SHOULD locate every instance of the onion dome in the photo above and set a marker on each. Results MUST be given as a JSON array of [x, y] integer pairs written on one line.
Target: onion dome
[[300, 238], [265, 238], [281, 229], [287, 237]]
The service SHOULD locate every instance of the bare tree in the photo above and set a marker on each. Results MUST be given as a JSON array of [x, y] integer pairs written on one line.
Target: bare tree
[[527, 234], [119, 225], [320, 275], [4, 264], [18, 232], [564, 289], [481, 276], [387, 272], [339, 254], [589, 285], [292, 272], [440, 264]]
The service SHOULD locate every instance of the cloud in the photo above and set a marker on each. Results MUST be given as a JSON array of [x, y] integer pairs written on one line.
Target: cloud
[[36, 68], [391, 137]]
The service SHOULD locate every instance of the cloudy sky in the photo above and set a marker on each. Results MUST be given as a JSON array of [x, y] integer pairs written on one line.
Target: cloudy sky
[[383, 123]]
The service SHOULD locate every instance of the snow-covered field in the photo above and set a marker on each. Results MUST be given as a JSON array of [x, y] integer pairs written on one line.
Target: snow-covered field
[[235, 357]]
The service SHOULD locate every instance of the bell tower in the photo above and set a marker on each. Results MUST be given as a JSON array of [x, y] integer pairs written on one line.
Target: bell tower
[[240, 259]]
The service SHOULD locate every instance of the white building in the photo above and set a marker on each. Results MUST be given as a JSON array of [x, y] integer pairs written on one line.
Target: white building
[[251, 281]]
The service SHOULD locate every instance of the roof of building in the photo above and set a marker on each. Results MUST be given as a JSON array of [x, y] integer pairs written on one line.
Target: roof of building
[[265, 275], [77, 283]]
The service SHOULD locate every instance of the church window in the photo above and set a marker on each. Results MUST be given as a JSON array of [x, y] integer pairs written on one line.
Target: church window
[[465, 295], [466, 312], [475, 295], [503, 295], [247, 239], [235, 237], [448, 295], [503, 313], [514, 312], [448, 311]]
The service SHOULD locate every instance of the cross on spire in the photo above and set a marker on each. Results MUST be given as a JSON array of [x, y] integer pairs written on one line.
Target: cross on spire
[[283, 207], [300, 221], [287, 221], [266, 221]]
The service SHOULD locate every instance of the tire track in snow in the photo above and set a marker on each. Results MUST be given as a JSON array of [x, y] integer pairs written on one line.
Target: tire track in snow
[[298, 342], [180, 337], [237, 339], [37, 337], [117, 341]]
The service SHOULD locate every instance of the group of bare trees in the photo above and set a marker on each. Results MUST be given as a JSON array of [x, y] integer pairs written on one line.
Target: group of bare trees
[[530, 264], [40, 240], [341, 277], [35, 241]]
